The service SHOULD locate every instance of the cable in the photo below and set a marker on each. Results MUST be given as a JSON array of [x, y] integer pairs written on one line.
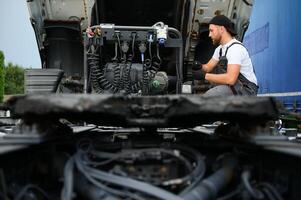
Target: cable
[[93, 62], [230, 195], [128, 81], [161, 24], [272, 189], [3, 183], [132, 184], [116, 75], [246, 2], [87, 167], [113, 157], [99, 81], [150, 50], [196, 174], [137, 86], [118, 39], [83, 170], [268, 194], [116, 52], [81, 158], [145, 80], [179, 76], [67, 190], [199, 171], [256, 194], [31, 186], [133, 45], [158, 53]]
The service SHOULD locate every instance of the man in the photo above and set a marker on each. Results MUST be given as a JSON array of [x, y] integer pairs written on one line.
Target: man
[[232, 59]]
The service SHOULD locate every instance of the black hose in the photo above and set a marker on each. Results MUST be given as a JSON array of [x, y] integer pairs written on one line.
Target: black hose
[[150, 50], [256, 194], [82, 168], [132, 184], [158, 53], [118, 39], [268, 194], [154, 68], [145, 80], [230, 195], [122, 76], [68, 180], [209, 187], [272, 189], [113, 157], [116, 52], [127, 77], [93, 174], [133, 45], [199, 171], [116, 75], [93, 62], [136, 86], [98, 79], [246, 2], [28, 187]]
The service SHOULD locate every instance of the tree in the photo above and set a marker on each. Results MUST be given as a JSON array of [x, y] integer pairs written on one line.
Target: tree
[[1, 76], [14, 79]]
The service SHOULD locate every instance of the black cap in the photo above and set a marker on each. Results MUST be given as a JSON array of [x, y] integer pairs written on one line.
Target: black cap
[[222, 20]]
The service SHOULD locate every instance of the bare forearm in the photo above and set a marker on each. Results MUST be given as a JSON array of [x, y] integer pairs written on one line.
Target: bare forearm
[[223, 79], [206, 68]]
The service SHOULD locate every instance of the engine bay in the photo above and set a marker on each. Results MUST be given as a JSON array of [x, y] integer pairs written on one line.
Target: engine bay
[[69, 151], [89, 167]]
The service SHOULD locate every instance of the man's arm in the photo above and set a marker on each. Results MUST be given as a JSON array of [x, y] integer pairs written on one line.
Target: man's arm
[[208, 67], [228, 78]]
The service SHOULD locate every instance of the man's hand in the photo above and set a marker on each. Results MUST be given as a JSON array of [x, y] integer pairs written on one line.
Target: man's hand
[[198, 74], [196, 65], [197, 71]]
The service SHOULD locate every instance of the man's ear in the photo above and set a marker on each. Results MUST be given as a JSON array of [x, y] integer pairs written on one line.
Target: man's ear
[[222, 29]]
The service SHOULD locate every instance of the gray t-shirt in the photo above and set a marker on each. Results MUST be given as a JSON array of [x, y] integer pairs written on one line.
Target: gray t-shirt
[[237, 54]]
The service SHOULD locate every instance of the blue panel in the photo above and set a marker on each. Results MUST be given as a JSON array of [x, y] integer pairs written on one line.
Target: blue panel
[[258, 40], [274, 43]]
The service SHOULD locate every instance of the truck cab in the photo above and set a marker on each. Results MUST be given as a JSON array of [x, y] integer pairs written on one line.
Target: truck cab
[[64, 43]]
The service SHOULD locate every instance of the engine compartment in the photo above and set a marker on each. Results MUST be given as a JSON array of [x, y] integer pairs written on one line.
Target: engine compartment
[[91, 167], [70, 147]]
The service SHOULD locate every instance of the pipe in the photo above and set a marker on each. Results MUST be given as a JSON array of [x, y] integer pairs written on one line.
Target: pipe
[[209, 187]]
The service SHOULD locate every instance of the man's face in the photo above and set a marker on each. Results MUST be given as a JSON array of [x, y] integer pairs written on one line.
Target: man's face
[[215, 32]]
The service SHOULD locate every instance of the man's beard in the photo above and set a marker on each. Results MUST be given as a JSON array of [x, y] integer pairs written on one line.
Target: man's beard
[[216, 41]]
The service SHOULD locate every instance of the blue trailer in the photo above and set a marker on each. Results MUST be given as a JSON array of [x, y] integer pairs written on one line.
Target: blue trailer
[[273, 40]]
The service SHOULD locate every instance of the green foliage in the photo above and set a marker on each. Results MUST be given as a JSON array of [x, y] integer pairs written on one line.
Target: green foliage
[[1, 76], [14, 79]]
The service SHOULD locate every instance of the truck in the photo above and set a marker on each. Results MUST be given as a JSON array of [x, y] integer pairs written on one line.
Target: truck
[[115, 113]]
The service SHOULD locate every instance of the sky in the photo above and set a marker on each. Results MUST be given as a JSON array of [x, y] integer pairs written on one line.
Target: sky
[[17, 39]]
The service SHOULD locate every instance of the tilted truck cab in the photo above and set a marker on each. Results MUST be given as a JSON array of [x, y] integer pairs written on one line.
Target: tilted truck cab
[[88, 62], [106, 118]]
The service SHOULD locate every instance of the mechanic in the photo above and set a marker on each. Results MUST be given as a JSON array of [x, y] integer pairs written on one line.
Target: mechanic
[[236, 74]]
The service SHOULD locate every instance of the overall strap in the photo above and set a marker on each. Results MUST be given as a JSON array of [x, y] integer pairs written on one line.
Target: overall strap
[[232, 45], [220, 52]]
